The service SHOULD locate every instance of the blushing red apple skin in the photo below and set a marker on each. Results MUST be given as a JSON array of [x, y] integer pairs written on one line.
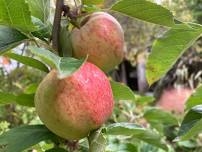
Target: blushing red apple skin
[[73, 106], [102, 38]]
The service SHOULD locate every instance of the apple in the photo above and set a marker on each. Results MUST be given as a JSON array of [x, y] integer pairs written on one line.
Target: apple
[[101, 38], [73, 106], [174, 99]]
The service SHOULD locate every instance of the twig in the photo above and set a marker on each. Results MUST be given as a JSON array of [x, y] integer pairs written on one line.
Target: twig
[[56, 25]]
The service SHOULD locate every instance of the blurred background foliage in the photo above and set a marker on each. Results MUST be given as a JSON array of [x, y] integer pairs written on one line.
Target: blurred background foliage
[[139, 36]]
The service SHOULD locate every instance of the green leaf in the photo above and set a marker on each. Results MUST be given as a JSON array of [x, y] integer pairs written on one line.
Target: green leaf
[[16, 14], [68, 66], [65, 65], [194, 131], [25, 100], [122, 147], [144, 99], [6, 98], [45, 55], [23, 137], [121, 91], [92, 2], [167, 49], [56, 150], [31, 89], [43, 31], [191, 144], [97, 141], [154, 115], [146, 11], [28, 61], [10, 38], [40, 9], [136, 131], [195, 99], [191, 125], [21, 99], [92, 8], [160, 120]]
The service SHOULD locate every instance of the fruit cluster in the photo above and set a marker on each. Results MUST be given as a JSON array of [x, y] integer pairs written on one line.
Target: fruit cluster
[[74, 106]]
